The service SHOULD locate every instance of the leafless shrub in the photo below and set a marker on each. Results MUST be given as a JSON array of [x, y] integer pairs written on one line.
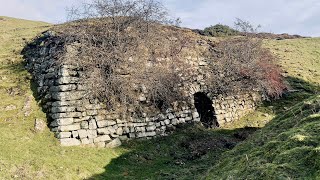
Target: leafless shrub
[[122, 45], [242, 64], [246, 27]]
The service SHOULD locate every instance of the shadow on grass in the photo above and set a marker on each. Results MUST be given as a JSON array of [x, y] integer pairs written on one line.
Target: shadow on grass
[[186, 154], [191, 150], [300, 90]]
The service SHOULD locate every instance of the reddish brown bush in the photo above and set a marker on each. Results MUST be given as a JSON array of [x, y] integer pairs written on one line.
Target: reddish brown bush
[[242, 64]]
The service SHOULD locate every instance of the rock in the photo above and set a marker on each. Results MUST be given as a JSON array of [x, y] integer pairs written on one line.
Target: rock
[[64, 121], [151, 128], [63, 135], [27, 106], [92, 134], [83, 133], [105, 123], [73, 127], [86, 141], [39, 125], [10, 108], [102, 138], [70, 142], [92, 124], [114, 143], [84, 125], [100, 144]]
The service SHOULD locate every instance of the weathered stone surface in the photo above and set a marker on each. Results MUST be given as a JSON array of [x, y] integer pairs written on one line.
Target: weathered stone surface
[[86, 141], [39, 125], [105, 123], [83, 133], [92, 134], [102, 138], [67, 80], [65, 115], [70, 142], [10, 108], [92, 124], [62, 135], [151, 128], [67, 96], [63, 88], [114, 143], [64, 121], [84, 125], [62, 109], [72, 127], [103, 131]]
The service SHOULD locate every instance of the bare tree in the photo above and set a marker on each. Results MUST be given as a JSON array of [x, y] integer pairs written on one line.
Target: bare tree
[[245, 26], [124, 45]]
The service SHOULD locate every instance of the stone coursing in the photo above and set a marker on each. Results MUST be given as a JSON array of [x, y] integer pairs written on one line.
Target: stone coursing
[[75, 120]]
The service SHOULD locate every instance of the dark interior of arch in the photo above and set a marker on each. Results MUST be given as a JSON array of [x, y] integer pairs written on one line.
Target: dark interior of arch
[[205, 109]]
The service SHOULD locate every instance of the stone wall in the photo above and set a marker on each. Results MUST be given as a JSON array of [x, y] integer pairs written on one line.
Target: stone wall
[[75, 120]]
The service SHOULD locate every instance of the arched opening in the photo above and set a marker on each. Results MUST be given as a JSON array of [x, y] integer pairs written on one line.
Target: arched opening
[[205, 109]]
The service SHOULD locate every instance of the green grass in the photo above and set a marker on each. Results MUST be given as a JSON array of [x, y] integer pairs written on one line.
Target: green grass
[[287, 147], [25, 154], [300, 58]]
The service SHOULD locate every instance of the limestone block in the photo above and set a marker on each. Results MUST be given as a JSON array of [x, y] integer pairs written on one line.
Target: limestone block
[[151, 128], [105, 123], [75, 134], [170, 116], [92, 134], [188, 118], [57, 109], [126, 130], [103, 131], [70, 142], [65, 115], [83, 133], [92, 124], [84, 125], [119, 131], [102, 138], [67, 80], [62, 135], [72, 127], [167, 121], [195, 114], [68, 96], [86, 141], [92, 112], [114, 143], [63, 88], [174, 121], [111, 129]]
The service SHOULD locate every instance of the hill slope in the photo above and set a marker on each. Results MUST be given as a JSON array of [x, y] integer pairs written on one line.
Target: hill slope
[[274, 151], [25, 154]]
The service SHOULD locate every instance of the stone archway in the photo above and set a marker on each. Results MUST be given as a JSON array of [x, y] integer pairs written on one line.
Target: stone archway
[[205, 109]]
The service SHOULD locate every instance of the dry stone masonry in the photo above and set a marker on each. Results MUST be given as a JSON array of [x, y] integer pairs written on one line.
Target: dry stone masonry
[[75, 120]]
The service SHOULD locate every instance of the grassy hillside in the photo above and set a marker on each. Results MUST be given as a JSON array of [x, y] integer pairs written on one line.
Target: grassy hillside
[[272, 152], [287, 148], [25, 154]]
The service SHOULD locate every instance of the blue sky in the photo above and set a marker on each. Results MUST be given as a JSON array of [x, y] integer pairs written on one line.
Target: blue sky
[[277, 16]]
